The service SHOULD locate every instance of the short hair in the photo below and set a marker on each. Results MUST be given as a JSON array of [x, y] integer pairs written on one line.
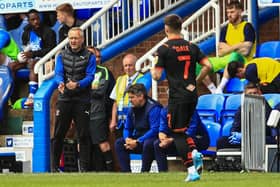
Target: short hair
[[131, 57], [137, 89], [234, 4], [233, 67], [67, 8], [32, 11], [174, 22], [77, 29]]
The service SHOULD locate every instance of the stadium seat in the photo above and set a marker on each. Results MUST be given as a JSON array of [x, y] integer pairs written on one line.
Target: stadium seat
[[232, 103], [236, 85], [135, 156], [214, 131], [6, 88], [84, 14], [268, 49], [209, 106], [56, 28], [17, 33], [226, 127], [272, 99]]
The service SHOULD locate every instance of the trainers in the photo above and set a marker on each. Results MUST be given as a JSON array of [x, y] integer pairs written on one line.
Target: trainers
[[57, 170], [192, 177], [198, 162]]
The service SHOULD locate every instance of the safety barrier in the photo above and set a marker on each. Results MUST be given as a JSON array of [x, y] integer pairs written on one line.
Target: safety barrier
[[253, 132]]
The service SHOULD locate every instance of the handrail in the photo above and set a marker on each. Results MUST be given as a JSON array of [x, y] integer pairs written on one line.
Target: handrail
[[38, 68], [146, 61], [113, 21], [194, 30]]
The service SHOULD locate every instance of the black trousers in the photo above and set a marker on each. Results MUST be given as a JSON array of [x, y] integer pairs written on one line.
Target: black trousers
[[66, 111], [182, 145]]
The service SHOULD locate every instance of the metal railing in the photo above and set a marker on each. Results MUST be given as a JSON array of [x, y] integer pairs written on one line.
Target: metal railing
[[206, 22], [202, 24], [111, 23]]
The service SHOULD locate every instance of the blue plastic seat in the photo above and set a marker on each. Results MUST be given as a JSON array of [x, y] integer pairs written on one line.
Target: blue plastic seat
[[209, 107], [232, 104], [214, 131], [84, 14], [268, 49], [236, 85], [134, 156], [227, 127], [6, 88], [272, 99]]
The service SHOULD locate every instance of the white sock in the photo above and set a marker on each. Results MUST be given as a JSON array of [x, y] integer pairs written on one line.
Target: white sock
[[191, 169], [212, 87], [223, 83], [194, 152], [32, 82], [30, 95]]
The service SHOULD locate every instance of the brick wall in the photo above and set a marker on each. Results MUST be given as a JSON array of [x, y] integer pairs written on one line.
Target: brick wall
[[267, 31]]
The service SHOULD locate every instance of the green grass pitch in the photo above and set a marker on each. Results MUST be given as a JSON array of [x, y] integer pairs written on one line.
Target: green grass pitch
[[170, 179]]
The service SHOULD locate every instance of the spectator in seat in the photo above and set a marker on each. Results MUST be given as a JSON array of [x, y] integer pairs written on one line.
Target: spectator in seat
[[262, 71], [238, 36], [171, 143], [234, 140], [38, 40], [140, 129]]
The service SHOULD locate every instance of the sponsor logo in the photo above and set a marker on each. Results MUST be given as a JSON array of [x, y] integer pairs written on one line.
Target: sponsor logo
[[15, 5]]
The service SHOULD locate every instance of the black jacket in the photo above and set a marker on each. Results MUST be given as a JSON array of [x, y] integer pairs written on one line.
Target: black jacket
[[48, 39], [101, 104], [64, 29]]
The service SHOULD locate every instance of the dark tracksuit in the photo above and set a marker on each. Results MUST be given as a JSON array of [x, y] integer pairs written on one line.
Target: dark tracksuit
[[47, 39], [223, 142], [73, 104], [99, 118], [196, 130], [64, 29], [141, 124]]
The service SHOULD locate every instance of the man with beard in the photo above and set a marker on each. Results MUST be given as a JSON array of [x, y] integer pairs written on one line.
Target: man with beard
[[237, 38]]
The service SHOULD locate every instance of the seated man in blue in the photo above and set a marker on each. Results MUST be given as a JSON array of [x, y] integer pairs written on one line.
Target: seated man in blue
[[169, 145], [37, 39], [198, 132], [140, 129], [234, 141]]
